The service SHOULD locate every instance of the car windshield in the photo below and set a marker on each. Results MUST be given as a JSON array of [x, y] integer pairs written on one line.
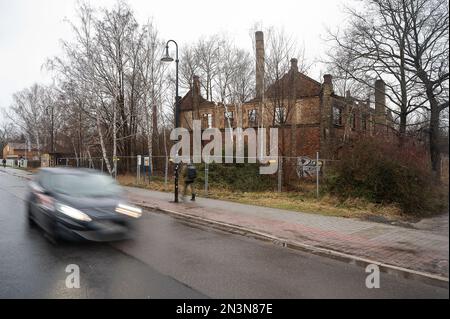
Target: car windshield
[[89, 185]]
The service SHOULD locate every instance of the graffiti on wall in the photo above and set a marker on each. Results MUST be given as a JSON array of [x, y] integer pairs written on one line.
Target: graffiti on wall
[[308, 167]]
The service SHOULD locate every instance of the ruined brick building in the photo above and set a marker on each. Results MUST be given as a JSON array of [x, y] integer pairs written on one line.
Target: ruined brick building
[[310, 116]]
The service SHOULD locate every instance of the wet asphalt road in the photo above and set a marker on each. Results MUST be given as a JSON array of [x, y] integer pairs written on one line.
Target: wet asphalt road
[[32, 267], [170, 259]]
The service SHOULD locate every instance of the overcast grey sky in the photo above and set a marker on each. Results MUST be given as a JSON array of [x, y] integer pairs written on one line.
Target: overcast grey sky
[[30, 30]]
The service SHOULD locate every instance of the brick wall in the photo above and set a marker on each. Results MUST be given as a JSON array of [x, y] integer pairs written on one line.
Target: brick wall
[[309, 125], [307, 140]]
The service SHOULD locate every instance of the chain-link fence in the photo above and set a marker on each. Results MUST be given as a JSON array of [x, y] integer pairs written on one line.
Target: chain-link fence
[[120, 165], [292, 173]]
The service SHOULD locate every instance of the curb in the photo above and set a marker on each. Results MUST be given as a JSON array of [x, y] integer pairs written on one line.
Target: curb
[[428, 278]]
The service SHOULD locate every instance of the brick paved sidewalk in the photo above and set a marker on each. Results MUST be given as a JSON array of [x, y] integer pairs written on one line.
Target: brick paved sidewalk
[[415, 249]]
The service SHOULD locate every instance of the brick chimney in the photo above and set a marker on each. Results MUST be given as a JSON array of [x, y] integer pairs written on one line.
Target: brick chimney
[[293, 81], [327, 85], [259, 72], [196, 97], [294, 64], [348, 94], [196, 85], [326, 117], [380, 106]]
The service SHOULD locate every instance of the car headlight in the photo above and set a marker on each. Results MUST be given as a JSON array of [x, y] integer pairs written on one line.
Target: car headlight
[[132, 211], [73, 212]]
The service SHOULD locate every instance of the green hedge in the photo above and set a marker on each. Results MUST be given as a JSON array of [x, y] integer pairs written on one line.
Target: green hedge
[[240, 177]]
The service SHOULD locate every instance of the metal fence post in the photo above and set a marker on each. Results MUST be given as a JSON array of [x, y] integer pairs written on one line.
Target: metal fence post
[[280, 175], [206, 179], [317, 174], [138, 159], [166, 168]]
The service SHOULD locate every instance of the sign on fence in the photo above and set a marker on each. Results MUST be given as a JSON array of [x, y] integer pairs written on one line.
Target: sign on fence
[[307, 167], [146, 161]]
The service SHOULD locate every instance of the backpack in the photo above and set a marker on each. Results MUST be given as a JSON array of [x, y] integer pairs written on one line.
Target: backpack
[[192, 172]]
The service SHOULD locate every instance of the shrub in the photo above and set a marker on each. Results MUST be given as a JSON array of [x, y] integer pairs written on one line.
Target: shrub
[[239, 177], [383, 173], [243, 177]]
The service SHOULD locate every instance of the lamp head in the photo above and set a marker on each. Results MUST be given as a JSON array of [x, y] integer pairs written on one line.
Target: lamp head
[[167, 57]]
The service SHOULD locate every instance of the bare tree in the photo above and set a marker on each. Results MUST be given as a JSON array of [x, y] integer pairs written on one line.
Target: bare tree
[[281, 48], [27, 112], [115, 74], [342, 65], [404, 42], [206, 51], [8, 133], [152, 77], [85, 83], [241, 85], [428, 56], [189, 66], [373, 47]]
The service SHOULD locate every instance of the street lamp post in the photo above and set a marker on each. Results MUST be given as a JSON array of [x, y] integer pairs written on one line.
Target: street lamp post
[[168, 58]]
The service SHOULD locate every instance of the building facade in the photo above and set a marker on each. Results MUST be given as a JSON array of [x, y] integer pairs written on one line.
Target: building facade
[[20, 151], [309, 115]]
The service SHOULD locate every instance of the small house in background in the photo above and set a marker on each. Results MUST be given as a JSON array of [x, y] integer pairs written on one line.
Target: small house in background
[[16, 151], [53, 159]]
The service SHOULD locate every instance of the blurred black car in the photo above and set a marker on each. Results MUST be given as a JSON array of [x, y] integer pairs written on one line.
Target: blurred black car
[[80, 204]]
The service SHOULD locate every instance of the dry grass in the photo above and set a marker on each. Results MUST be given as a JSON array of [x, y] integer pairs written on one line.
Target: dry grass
[[295, 201]]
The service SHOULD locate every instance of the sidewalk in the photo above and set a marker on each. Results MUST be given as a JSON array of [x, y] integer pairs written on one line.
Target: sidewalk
[[418, 250]]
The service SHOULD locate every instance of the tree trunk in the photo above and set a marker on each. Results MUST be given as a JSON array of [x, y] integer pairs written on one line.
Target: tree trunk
[[155, 140], [115, 141], [402, 128], [38, 142], [149, 144], [102, 144], [404, 95], [435, 152]]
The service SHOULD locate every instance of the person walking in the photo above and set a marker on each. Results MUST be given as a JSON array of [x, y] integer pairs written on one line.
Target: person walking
[[4, 163], [189, 176]]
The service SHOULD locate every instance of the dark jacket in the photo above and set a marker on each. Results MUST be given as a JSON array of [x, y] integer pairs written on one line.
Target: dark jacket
[[185, 173]]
